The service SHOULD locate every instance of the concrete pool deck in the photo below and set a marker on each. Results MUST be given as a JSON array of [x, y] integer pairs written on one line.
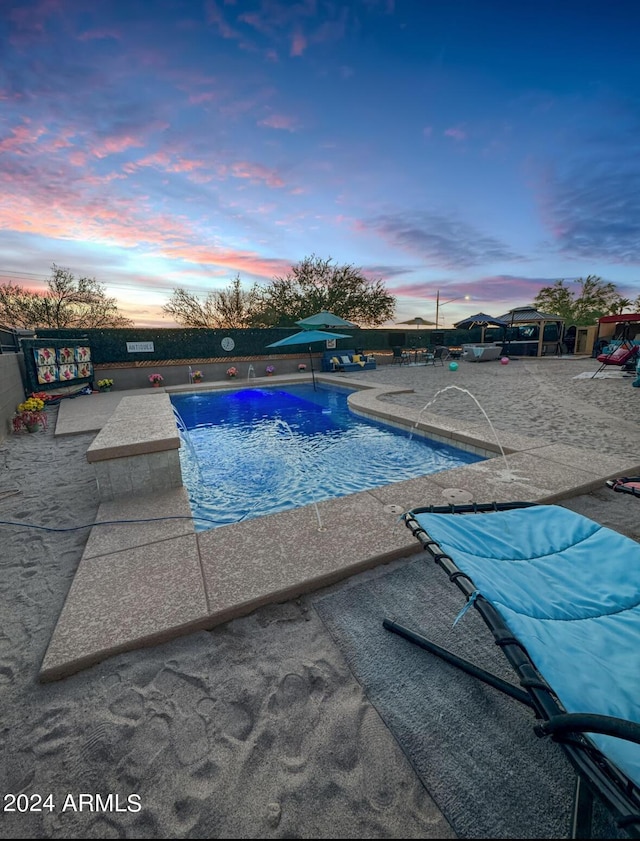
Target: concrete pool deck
[[145, 582]]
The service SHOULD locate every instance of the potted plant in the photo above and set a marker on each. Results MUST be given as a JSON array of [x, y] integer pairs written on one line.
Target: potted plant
[[302, 367], [232, 372], [196, 376], [30, 415], [155, 379], [105, 385], [269, 370]]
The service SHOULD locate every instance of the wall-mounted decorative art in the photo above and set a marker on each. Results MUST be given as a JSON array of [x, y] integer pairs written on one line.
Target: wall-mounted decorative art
[[66, 355], [62, 364]]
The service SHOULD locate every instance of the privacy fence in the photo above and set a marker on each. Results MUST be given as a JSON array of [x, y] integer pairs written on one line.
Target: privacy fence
[[75, 358], [131, 345]]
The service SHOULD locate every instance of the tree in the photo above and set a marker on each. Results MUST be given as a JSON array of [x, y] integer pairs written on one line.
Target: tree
[[66, 303], [18, 307], [226, 308], [315, 284], [595, 299]]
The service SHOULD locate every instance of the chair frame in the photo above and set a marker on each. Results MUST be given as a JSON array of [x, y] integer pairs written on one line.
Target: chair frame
[[401, 358], [608, 358], [439, 355], [595, 775], [625, 484]]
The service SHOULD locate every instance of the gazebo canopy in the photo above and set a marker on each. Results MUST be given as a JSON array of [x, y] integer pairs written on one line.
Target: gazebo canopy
[[528, 315]]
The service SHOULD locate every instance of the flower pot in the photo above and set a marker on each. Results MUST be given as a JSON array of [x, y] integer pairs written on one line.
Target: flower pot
[[104, 388], [32, 427], [155, 385]]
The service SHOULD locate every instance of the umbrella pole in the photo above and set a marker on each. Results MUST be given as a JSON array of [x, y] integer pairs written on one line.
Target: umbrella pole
[[313, 376]]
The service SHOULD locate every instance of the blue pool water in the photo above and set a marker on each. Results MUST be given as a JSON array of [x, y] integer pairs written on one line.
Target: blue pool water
[[255, 451]]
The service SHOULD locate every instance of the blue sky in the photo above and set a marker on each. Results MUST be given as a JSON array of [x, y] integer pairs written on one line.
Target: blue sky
[[482, 149]]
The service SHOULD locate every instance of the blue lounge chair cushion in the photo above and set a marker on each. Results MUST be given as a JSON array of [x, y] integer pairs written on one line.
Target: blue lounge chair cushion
[[569, 590]]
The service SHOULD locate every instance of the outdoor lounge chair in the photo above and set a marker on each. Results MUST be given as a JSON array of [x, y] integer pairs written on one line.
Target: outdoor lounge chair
[[561, 595], [620, 356], [626, 485]]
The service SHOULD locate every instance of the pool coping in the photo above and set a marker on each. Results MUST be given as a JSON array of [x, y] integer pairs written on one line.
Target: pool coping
[[144, 583]]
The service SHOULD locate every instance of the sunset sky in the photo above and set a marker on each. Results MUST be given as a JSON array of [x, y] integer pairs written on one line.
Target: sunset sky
[[472, 147]]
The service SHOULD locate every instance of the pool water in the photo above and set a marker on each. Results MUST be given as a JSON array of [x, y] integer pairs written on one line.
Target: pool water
[[255, 451]]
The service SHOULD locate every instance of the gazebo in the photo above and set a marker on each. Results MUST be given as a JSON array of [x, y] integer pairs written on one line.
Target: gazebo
[[535, 338]]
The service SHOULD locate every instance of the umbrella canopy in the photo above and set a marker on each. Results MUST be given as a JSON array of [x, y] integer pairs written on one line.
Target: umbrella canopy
[[324, 318], [419, 322], [480, 319], [307, 337]]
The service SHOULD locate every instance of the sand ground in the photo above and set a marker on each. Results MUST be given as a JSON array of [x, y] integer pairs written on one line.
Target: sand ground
[[256, 729]]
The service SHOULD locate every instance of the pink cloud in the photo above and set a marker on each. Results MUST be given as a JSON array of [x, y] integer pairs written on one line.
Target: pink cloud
[[215, 18], [256, 173], [236, 261], [162, 160], [68, 209], [185, 165], [63, 141], [97, 180], [99, 34], [20, 137], [279, 121], [29, 22], [200, 98], [255, 21], [115, 145], [455, 133], [159, 159], [298, 44]]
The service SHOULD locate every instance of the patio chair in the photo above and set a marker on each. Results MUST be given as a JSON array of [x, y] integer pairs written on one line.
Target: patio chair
[[400, 357], [426, 356], [561, 596], [440, 355], [620, 356]]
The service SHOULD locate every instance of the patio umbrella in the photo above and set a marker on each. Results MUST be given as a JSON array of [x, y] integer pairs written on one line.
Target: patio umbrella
[[324, 319], [480, 319], [308, 337], [419, 322]]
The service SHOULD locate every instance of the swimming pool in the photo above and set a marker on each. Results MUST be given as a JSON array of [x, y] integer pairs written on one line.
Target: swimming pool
[[255, 451]]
